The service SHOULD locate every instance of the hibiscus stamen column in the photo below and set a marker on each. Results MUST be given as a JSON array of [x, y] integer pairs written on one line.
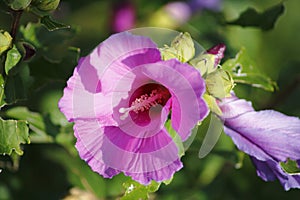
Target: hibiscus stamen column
[[158, 95]]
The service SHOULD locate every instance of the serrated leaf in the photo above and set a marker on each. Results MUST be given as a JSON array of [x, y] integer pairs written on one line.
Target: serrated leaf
[[243, 70], [12, 134], [17, 85], [290, 167], [18, 4], [51, 24], [13, 57], [265, 20], [134, 190]]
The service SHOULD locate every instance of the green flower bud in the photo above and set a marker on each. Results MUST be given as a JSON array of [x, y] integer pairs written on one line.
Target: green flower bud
[[219, 83], [182, 48], [18, 4], [204, 63], [5, 41], [46, 5]]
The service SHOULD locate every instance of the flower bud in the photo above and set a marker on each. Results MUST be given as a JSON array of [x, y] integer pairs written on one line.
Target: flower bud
[[219, 84], [5, 41], [46, 5]]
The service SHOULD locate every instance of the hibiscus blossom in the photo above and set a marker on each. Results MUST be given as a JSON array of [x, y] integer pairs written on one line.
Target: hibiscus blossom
[[120, 97]]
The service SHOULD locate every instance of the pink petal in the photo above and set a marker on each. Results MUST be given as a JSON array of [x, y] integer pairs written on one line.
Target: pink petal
[[156, 156]]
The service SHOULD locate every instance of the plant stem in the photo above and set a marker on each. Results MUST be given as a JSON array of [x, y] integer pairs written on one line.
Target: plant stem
[[15, 24]]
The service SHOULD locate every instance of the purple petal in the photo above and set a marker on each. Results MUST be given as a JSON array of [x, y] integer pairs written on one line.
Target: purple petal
[[218, 51], [153, 158], [87, 94], [269, 137], [187, 87], [270, 170]]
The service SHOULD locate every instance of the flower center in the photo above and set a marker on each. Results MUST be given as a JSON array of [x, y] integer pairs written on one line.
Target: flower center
[[151, 95]]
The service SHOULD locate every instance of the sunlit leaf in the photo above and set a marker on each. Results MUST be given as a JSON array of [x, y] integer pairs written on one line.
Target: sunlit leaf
[[244, 70], [290, 167], [12, 134], [134, 190], [52, 24], [13, 57], [265, 20]]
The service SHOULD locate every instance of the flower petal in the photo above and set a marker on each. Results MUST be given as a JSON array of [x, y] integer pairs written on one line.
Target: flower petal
[[186, 86], [121, 52], [270, 170], [155, 158], [87, 94]]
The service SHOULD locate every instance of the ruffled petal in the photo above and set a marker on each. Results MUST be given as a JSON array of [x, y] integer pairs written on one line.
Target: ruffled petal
[[153, 158], [186, 86], [270, 170], [118, 54]]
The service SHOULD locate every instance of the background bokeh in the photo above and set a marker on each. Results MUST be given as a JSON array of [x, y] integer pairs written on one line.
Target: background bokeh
[[51, 169]]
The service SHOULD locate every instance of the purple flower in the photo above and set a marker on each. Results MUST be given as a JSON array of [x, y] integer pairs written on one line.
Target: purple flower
[[269, 137], [218, 51], [123, 16], [120, 97]]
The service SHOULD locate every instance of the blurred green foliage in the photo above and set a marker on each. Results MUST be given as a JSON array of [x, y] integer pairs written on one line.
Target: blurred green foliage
[[50, 167]]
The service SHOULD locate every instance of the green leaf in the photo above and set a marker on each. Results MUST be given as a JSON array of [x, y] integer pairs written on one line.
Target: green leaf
[[242, 69], [290, 167], [12, 59], [5, 41], [36, 123], [51, 24], [265, 20], [18, 4], [12, 134], [17, 85], [182, 48], [134, 190]]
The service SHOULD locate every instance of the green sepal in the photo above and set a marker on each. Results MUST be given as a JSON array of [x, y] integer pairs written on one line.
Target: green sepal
[[291, 167], [204, 63], [182, 48], [212, 104], [219, 83]]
